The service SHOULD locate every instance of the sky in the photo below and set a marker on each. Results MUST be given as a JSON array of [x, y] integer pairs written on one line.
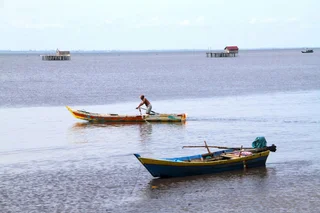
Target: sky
[[158, 24]]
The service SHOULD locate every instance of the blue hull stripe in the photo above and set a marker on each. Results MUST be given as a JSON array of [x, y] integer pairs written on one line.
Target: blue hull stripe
[[180, 171]]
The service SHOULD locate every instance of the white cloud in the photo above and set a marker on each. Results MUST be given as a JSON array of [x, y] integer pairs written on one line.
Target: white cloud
[[308, 26], [200, 19], [185, 23], [27, 25], [292, 19], [153, 22], [197, 22], [253, 21], [108, 21], [269, 20]]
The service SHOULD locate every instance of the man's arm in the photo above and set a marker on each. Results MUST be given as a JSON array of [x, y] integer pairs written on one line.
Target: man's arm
[[140, 104]]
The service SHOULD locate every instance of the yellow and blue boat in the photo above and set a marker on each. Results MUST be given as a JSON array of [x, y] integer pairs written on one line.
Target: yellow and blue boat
[[212, 162]]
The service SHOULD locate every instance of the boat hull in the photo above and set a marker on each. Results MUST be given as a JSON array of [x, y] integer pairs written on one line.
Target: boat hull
[[168, 168], [101, 118]]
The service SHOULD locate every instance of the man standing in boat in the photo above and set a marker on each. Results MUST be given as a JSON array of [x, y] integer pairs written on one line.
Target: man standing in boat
[[146, 102]]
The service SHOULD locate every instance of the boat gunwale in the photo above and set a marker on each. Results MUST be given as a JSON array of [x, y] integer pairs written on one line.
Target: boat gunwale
[[164, 162]]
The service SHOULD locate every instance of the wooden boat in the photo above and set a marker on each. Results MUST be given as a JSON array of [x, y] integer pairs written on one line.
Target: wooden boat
[[211, 162], [98, 117], [307, 51]]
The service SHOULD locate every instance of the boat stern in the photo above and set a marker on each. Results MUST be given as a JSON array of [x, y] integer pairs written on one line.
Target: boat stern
[[77, 114], [71, 110]]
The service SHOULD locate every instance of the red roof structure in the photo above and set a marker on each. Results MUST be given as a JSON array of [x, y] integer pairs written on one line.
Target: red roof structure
[[60, 53], [232, 48]]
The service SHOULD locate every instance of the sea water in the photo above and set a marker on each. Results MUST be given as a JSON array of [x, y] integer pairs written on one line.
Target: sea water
[[52, 162]]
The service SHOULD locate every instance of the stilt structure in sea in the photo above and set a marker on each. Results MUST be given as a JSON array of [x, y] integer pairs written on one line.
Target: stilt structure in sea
[[59, 56], [229, 51]]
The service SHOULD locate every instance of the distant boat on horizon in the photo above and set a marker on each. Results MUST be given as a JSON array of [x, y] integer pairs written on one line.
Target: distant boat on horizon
[[307, 51]]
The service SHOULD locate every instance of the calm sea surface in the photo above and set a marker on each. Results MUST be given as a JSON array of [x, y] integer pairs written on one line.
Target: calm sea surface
[[52, 162]]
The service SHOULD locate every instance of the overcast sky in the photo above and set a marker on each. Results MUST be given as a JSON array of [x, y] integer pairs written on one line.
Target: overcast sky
[[158, 24]]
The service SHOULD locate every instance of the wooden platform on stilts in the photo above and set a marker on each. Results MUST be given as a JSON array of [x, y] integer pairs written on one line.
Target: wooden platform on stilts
[[220, 54]]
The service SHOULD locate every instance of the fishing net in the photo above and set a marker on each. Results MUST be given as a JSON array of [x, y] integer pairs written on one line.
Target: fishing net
[[259, 142]]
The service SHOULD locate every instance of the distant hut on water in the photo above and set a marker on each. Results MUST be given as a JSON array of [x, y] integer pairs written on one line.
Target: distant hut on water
[[231, 49], [59, 56], [62, 53]]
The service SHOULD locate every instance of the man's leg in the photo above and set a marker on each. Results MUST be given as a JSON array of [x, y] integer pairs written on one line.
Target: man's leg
[[148, 109]]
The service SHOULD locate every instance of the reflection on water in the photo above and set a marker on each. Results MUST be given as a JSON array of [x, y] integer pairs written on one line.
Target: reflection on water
[[233, 182], [253, 173], [145, 131], [84, 132], [82, 125]]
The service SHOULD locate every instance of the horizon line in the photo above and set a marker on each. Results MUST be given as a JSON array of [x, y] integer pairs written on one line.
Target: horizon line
[[153, 50]]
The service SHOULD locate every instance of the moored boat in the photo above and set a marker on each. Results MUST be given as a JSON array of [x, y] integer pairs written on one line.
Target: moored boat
[[307, 51], [208, 163], [102, 117]]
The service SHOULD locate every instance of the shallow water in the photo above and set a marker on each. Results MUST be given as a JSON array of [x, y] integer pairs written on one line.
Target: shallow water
[[52, 162]]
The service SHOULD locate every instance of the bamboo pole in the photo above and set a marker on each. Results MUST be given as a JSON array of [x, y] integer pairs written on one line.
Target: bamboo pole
[[272, 148], [207, 147]]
